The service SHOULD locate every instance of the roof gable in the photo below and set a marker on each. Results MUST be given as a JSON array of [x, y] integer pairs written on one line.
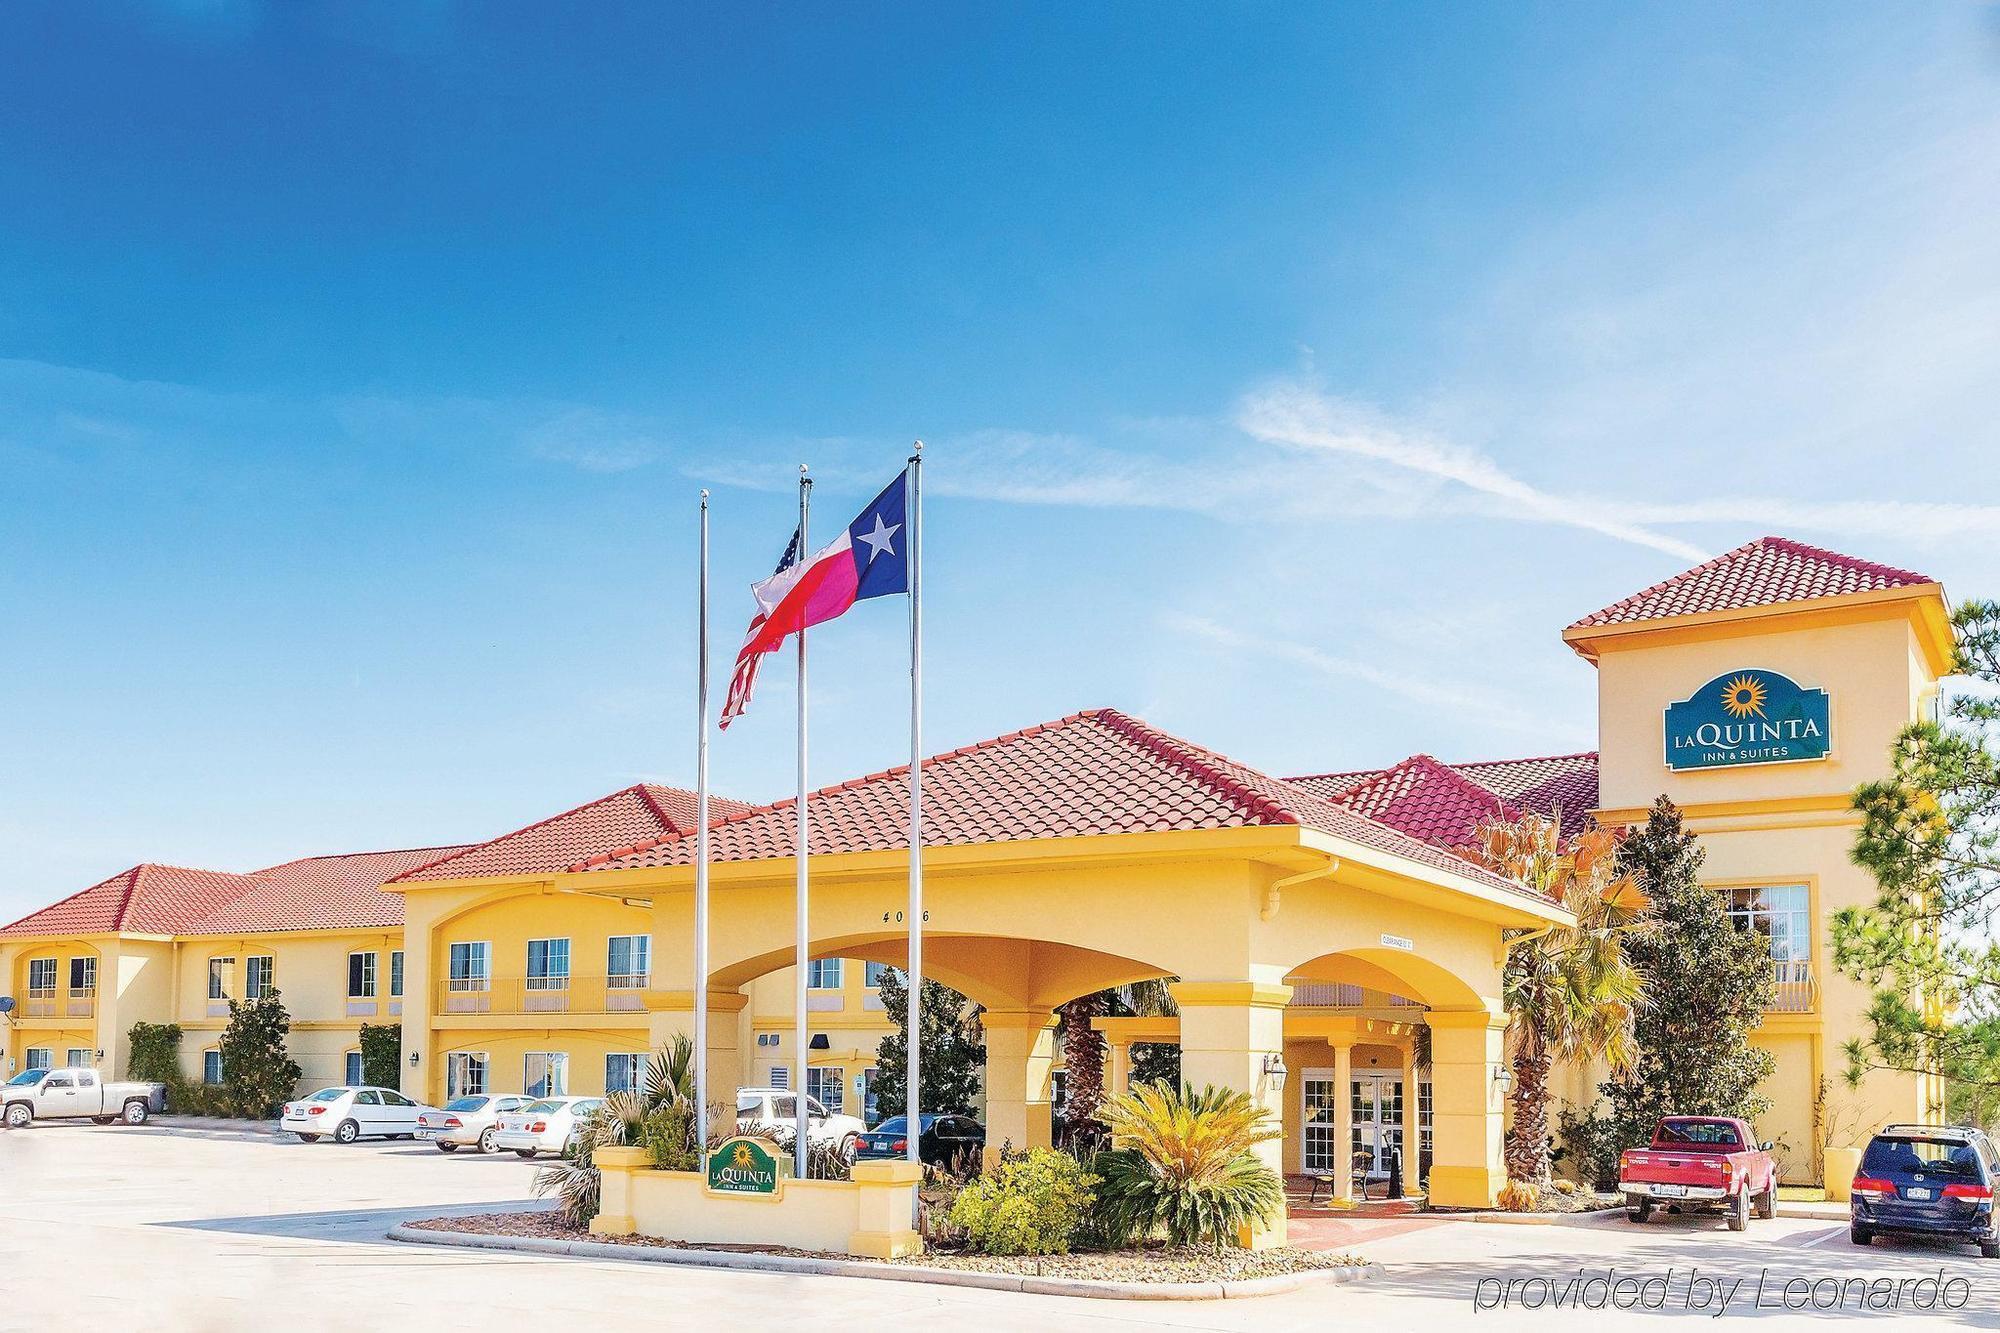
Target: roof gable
[[321, 893], [1427, 800], [1091, 773], [1769, 571], [634, 814], [147, 899], [1559, 785]]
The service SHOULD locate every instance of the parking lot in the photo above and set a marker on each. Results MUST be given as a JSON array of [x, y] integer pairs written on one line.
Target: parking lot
[[200, 1229]]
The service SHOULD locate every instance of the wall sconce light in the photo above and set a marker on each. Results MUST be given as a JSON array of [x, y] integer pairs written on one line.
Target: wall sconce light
[[1275, 1071], [100, 1053], [1503, 1077], [413, 1059]]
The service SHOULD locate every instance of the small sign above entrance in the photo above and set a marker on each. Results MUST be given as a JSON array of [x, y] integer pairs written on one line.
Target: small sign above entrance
[[744, 1166], [1748, 717], [1403, 942]]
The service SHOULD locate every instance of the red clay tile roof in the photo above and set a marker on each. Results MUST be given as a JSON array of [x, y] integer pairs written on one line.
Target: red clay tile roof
[[145, 900], [1764, 572], [1427, 800], [636, 814], [1441, 802], [320, 893], [1095, 772]]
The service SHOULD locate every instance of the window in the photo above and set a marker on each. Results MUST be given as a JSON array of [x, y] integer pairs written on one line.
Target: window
[[218, 977], [368, 1097], [825, 1086], [259, 976], [548, 964], [871, 1110], [42, 977], [1782, 914], [1424, 1120], [823, 974], [83, 976], [211, 1067], [396, 974], [464, 1074], [468, 966], [872, 973], [354, 1072], [546, 1074], [38, 1057], [361, 975], [79, 1057], [621, 1073], [630, 961]]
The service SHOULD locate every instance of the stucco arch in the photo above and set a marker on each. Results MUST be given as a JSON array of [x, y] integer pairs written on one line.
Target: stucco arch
[[999, 972], [1395, 971]]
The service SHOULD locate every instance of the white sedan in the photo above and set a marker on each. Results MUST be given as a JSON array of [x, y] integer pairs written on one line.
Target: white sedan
[[549, 1125], [345, 1114], [468, 1121]]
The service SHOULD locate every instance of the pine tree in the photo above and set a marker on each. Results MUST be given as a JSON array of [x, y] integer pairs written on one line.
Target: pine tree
[[1930, 834], [951, 1050], [258, 1074], [1707, 984]]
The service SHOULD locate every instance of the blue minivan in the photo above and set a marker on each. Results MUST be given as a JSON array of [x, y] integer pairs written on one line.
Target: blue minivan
[[1927, 1180]]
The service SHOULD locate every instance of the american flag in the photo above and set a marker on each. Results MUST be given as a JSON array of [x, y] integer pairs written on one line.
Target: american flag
[[745, 678]]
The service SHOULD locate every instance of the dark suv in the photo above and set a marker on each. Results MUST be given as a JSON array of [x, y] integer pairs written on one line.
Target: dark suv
[[1926, 1180]]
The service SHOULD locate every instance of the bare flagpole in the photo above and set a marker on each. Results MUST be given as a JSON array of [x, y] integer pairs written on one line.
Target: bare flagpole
[[800, 1126], [701, 847], [913, 1123]]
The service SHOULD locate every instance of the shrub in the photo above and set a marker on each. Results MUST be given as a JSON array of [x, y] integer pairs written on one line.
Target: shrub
[[668, 1136], [1187, 1166], [260, 1074], [1520, 1196], [155, 1053], [382, 1054], [1032, 1205]]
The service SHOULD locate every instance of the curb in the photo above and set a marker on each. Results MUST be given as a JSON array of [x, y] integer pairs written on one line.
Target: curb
[[882, 1272], [1532, 1219]]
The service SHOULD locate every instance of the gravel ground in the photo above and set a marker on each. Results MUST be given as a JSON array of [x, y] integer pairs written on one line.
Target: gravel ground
[[1153, 1265]]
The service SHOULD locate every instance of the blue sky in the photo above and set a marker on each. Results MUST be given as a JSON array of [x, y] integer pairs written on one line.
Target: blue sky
[[1290, 376]]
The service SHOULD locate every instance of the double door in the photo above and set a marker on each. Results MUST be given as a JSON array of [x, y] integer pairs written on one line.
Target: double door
[[1375, 1106]]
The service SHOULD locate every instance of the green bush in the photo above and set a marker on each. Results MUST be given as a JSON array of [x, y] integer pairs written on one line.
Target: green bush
[[1032, 1205], [156, 1053], [1188, 1169], [668, 1136], [261, 1075], [382, 1054]]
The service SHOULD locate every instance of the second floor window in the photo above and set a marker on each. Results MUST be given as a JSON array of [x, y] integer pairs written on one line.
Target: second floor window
[[218, 977], [468, 966], [361, 975], [630, 960], [823, 974], [41, 976], [396, 974], [548, 964], [83, 976], [259, 976], [1782, 914]]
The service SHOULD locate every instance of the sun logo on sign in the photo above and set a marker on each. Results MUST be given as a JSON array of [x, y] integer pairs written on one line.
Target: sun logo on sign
[[744, 1158], [1744, 697]]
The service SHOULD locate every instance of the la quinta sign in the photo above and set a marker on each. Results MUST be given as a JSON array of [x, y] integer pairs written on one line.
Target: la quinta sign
[[1748, 717], [744, 1166]]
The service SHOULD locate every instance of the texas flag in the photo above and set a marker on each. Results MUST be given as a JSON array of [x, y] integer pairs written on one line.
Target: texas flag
[[869, 559]]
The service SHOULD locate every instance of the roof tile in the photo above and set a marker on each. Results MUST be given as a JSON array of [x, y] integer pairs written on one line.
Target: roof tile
[[1765, 572], [631, 815]]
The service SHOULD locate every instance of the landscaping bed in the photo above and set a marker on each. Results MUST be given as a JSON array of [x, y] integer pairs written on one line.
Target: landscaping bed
[[1152, 1264]]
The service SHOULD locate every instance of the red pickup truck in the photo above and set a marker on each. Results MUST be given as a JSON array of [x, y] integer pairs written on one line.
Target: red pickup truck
[[1698, 1161]]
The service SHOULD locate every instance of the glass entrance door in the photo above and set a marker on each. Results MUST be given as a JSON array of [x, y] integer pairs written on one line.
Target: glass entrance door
[[1376, 1101]]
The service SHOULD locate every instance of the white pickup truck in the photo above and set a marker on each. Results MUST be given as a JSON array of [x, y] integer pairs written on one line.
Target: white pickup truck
[[772, 1111], [66, 1094]]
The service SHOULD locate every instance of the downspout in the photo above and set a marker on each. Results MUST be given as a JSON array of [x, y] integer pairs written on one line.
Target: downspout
[[1274, 891]]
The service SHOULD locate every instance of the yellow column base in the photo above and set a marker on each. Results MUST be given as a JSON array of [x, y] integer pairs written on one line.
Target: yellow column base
[[604, 1224], [885, 1244], [1465, 1186], [886, 1204], [1841, 1164]]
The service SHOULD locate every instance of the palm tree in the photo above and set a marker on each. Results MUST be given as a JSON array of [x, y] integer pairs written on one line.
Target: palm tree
[[1187, 1165], [1083, 1045], [1569, 991]]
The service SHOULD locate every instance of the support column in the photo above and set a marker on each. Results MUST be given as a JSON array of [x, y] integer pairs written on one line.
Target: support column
[[673, 1014], [1229, 1030], [1118, 1073], [1343, 1119], [1467, 1117], [1020, 1048]]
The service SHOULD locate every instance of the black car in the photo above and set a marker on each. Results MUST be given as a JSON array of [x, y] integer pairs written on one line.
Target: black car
[[945, 1139], [1927, 1180]]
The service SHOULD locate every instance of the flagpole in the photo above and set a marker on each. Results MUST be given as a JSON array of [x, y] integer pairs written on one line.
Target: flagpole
[[914, 1125], [701, 846], [800, 1128]]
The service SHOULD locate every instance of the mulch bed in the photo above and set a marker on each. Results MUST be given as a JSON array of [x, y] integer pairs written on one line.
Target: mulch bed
[[1158, 1264]]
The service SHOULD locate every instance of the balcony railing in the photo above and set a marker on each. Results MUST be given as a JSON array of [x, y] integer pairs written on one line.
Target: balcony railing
[[1340, 995], [59, 1004], [542, 995], [1797, 992]]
